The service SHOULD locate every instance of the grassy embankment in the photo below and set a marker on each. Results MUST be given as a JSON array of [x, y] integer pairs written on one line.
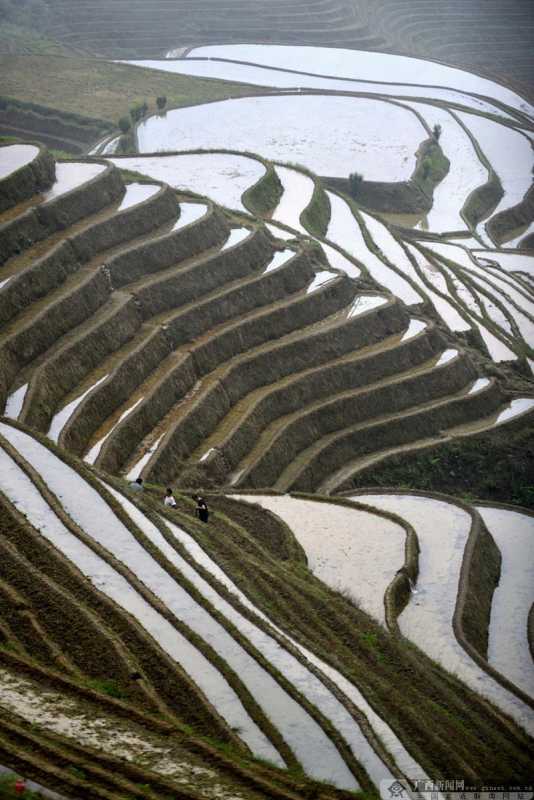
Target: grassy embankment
[[100, 89], [493, 466]]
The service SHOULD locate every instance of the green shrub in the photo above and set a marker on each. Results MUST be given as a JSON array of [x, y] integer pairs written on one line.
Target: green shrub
[[355, 183], [125, 124], [161, 102]]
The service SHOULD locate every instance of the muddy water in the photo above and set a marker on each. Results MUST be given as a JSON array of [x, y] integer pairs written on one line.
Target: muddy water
[[264, 76], [15, 156], [509, 262], [446, 310], [344, 230], [405, 220], [373, 765], [352, 551]]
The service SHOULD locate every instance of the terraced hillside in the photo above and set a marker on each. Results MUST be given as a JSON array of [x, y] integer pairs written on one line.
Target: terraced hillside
[[162, 337], [270, 304], [184, 624], [124, 29], [491, 36], [486, 35]]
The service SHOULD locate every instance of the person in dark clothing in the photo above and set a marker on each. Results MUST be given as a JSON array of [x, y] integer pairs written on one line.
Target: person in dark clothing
[[202, 511]]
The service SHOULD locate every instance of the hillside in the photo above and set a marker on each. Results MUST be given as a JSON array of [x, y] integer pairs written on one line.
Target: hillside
[[329, 675], [303, 286]]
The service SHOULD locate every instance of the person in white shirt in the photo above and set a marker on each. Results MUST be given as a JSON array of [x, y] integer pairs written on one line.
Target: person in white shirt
[[169, 499]]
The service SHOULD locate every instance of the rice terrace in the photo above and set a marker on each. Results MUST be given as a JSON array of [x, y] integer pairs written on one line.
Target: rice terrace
[[267, 399]]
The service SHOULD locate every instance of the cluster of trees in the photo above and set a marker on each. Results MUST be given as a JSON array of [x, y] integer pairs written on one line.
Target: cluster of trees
[[138, 111], [26, 13]]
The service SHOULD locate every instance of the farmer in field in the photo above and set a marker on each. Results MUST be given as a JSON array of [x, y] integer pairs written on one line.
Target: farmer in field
[[202, 511], [137, 485], [169, 499]]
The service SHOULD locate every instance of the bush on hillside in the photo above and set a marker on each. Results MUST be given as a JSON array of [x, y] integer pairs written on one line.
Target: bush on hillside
[[125, 124], [138, 111], [355, 183], [161, 102]]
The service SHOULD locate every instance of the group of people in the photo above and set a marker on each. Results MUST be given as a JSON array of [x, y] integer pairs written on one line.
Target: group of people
[[201, 510], [169, 500]]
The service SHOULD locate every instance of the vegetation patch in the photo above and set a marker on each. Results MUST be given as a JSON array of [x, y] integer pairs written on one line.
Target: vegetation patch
[[502, 225], [95, 88], [316, 215], [492, 466], [482, 201], [402, 197], [262, 198]]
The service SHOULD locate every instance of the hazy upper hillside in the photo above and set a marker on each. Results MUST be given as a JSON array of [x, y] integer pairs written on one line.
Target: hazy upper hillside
[[490, 35]]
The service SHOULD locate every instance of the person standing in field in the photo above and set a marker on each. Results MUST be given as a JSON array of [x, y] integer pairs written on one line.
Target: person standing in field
[[169, 499], [202, 511]]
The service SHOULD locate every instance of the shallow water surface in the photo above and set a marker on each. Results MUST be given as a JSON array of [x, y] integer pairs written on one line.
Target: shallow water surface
[[70, 175], [220, 176], [292, 129], [15, 156]]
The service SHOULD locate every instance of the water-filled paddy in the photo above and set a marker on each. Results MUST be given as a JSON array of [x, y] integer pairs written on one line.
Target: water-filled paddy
[[70, 175], [277, 78], [189, 212], [15, 156], [220, 176], [350, 550], [442, 529], [508, 151], [465, 173], [508, 649], [364, 65], [293, 129], [137, 193], [344, 230], [298, 191]]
